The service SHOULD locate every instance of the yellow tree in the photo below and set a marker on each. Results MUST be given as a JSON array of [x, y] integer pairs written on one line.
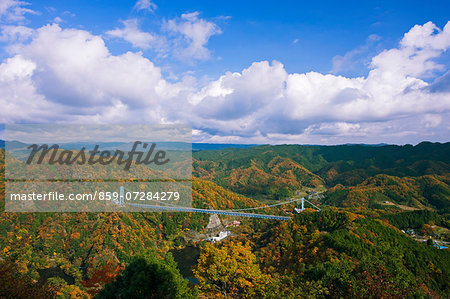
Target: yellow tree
[[231, 270]]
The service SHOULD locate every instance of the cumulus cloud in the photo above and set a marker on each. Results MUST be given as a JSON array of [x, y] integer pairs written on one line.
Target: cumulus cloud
[[19, 100], [14, 34], [132, 34], [417, 50], [310, 103], [75, 70], [70, 75], [195, 34]]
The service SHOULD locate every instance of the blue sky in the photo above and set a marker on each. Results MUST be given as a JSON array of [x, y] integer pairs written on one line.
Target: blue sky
[[304, 35], [238, 71]]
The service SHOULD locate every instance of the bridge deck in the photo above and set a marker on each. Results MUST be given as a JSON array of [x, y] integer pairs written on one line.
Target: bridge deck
[[221, 212]]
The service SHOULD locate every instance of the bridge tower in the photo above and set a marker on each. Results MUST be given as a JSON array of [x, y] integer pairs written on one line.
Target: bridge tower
[[121, 196]]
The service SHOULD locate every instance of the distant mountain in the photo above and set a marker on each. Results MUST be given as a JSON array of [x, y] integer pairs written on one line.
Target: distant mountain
[[218, 146], [127, 145], [364, 144], [12, 145]]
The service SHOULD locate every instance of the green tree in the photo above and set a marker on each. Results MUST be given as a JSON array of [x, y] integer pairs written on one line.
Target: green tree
[[13, 284], [149, 276]]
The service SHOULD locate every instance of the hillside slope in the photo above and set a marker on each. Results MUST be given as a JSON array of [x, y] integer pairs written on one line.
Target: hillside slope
[[276, 177], [429, 191], [341, 164], [89, 249], [348, 255]]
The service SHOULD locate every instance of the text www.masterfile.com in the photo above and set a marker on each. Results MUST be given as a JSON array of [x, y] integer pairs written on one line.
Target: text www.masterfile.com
[[97, 195]]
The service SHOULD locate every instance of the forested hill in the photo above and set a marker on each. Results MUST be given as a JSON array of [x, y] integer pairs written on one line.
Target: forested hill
[[346, 255], [424, 158], [90, 249], [312, 166], [383, 191], [337, 252]]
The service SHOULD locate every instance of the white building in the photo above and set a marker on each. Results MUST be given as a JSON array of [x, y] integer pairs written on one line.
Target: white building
[[222, 235]]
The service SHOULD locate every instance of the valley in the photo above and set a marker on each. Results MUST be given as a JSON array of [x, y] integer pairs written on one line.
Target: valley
[[359, 245]]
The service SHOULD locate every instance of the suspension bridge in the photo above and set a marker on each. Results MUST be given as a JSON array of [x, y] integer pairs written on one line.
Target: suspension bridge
[[235, 212]]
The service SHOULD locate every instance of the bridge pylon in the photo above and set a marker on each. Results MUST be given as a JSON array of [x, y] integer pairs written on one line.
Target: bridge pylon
[[121, 196]]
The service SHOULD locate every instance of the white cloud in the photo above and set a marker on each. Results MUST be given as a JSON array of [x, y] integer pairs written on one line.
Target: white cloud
[[184, 38], [19, 99], [13, 34], [145, 5], [58, 20], [415, 55], [237, 95], [132, 34], [13, 10], [195, 34], [269, 101], [337, 128], [356, 58], [431, 120], [70, 75], [75, 70]]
